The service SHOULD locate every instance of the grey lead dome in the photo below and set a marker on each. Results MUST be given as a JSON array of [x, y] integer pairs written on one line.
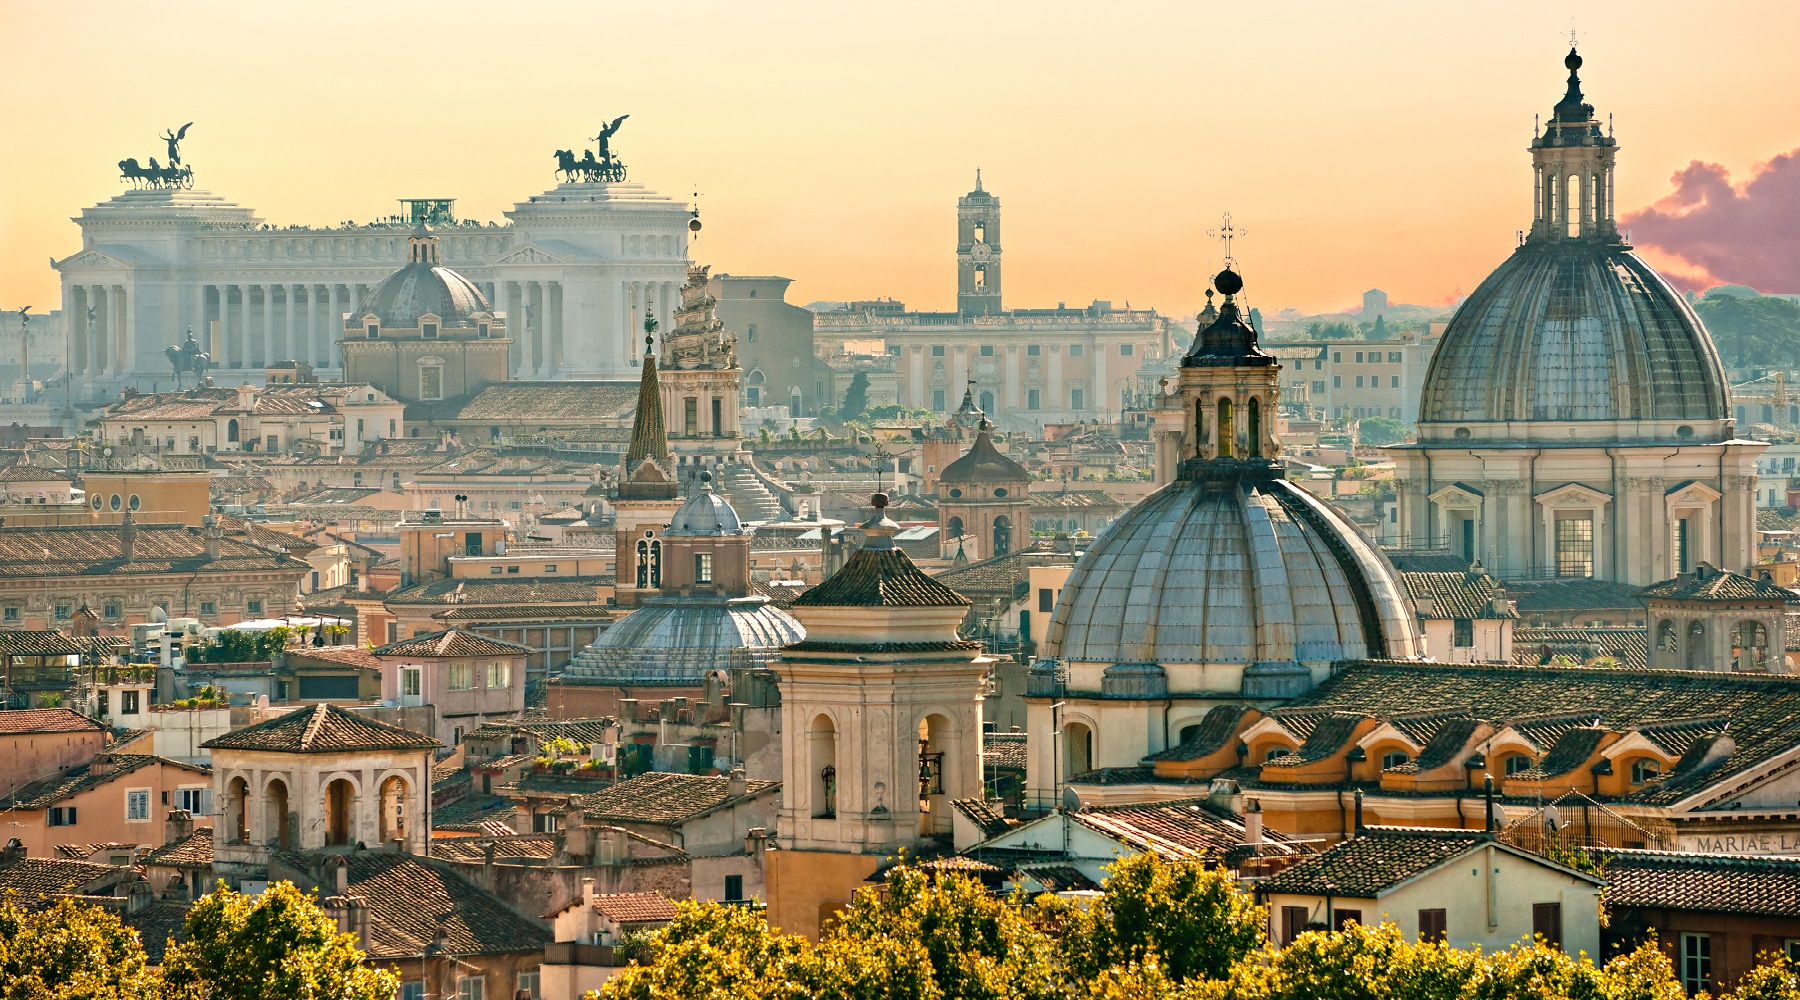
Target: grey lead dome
[[1574, 330]]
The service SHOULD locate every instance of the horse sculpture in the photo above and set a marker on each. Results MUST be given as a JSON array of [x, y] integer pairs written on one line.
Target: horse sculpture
[[155, 176], [588, 169]]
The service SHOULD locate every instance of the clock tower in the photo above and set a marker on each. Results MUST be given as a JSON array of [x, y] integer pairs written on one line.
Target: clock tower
[[978, 252]]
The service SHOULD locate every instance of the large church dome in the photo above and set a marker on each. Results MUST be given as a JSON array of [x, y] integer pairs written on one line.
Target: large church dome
[[424, 287], [1574, 326], [1230, 578], [1574, 330]]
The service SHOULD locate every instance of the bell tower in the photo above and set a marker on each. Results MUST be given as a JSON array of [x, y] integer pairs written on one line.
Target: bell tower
[[978, 252], [1220, 419], [1572, 170]]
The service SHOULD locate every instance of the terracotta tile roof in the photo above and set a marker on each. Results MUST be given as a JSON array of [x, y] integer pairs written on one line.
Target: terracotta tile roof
[[989, 820], [81, 852], [193, 851], [664, 798], [348, 655], [1373, 863], [46, 792], [473, 850], [158, 924], [635, 907], [31, 642], [1573, 595], [1177, 829], [477, 591], [471, 814], [1005, 750], [451, 642], [1630, 644], [524, 402], [579, 731], [96, 550], [321, 729], [1707, 883], [45, 720], [1708, 584], [1068, 499], [1546, 703], [1328, 736], [1214, 730], [1058, 878], [32, 877], [1005, 574], [880, 578], [409, 900], [1463, 595]]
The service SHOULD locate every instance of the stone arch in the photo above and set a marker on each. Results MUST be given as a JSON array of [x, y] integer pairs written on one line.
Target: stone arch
[[1078, 746], [954, 528], [1750, 646], [235, 816], [231, 429], [1003, 532], [1696, 646], [821, 746], [1225, 429], [340, 798], [395, 794], [278, 826], [941, 753]]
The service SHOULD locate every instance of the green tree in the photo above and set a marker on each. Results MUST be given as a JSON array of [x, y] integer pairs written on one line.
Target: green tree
[[856, 397], [1190, 920], [713, 952], [1380, 430], [1760, 330], [276, 946], [69, 951], [1779, 979]]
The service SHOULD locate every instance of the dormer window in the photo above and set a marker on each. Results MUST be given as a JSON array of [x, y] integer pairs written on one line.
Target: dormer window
[[373, 330], [429, 330], [481, 330]]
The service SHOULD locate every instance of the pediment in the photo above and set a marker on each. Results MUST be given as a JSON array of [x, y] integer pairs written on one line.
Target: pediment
[[1692, 492], [1573, 495], [530, 253], [91, 258], [1458, 493]]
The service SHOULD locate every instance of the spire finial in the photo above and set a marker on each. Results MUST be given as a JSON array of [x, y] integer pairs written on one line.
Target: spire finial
[[1225, 232], [977, 178]]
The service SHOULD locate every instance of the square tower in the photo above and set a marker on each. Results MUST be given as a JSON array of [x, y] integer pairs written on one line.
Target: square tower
[[978, 252]]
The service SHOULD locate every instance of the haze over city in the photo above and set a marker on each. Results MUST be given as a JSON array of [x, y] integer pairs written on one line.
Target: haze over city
[[1359, 145]]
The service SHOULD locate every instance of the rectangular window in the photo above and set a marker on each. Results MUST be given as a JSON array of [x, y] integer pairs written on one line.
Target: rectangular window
[[1075, 350], [734, 888], [1318, 364], [1575, 545], [703, 567], [528, 980], [412, 989], [393, 631], [429, 331], [472, 544], [1433, 926], [512, 569], [1337, 381], [1359, 381], [1546, 923], [431, 382], [1125, 350], [1465, 633], [690, 416], [549, 567], [1032, 398], [1343, 918], [1318, 385], [128, 702], [1077, 399], [62, 815], [62, 612], [937, 350], [1046, 599], [1033, 350], [1337, 357], [987, 350], [1696, 962], [1359, 355], [1683, 532], [461, 678], [496, 570], [1393, 381], [937, 400], [253, 607], [470, 988], [137, 804], [410, 678], [499, 675], [11, 615], [197, 801], [111, 611], [1293, 923]]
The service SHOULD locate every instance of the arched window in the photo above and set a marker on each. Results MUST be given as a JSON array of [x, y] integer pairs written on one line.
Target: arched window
[[393, 809], [987, 401], [277, 831], [231, 430], [1253, 424], [237, 796], [1078, 749], [1188, 733], [643, 564], [1666, 639], [656, 563], [1393, 759], [1644, 770], [1276, 751], [1696, 646], [1517, 762], [1752, 646], [1002, 535], [1199, 427], [822, 747], [954, 528], [339, 796], [1572, 207], [1225, 431]]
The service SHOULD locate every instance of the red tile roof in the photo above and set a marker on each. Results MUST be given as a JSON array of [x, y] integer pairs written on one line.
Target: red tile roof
[[635, 907], [321, 729], [451, 642], [45, 720]]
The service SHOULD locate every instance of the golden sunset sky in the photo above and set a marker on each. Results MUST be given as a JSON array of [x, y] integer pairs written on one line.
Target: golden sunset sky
[[1360, 144]]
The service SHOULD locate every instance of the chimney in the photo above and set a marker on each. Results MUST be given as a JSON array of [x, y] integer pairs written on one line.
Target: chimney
[[1488, 794], [587, 892], [337, 872], [128, 532], [1359, 814], [356, 912], [735, 783], [138, 896], [1253, 823], [14, 851], [179, 827], [577, 836]]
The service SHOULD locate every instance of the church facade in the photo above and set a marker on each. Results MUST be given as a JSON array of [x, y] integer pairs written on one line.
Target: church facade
[[1574, 422]]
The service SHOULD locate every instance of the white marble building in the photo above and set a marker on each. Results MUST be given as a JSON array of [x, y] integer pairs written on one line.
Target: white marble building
[[574, 270]]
